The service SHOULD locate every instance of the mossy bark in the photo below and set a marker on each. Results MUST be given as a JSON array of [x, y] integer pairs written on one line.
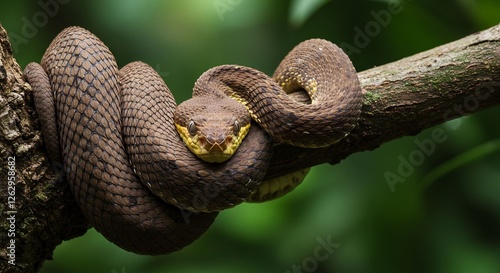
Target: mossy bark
[[403, 98]]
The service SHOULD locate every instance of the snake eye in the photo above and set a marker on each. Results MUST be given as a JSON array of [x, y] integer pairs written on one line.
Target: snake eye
[[236, 127], [192, 128]]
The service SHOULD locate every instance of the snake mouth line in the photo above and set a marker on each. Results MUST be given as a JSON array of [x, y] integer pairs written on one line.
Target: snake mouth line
[[215, 151], [211, 149]]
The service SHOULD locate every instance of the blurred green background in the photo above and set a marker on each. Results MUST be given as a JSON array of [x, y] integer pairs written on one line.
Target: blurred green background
[[451, 226]]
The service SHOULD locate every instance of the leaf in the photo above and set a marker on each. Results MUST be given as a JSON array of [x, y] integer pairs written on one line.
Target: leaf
[[464, 158], [301, 10]]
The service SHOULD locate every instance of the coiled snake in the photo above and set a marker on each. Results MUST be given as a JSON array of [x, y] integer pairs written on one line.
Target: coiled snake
[[113, 129]]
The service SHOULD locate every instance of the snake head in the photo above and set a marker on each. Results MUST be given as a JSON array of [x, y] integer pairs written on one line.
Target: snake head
[[212, 129]]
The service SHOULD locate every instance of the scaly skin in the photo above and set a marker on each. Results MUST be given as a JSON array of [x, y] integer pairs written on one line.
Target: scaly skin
[[129, 170]]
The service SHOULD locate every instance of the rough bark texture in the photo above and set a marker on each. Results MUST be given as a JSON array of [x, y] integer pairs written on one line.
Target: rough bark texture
[[401, 98], [44, 210], [407, 96]]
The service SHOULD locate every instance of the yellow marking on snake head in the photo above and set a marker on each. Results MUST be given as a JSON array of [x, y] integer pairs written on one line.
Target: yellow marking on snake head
[[213, 148], [212, 127]]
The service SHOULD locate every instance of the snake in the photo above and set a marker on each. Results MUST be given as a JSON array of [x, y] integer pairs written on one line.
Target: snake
[[151, 176]]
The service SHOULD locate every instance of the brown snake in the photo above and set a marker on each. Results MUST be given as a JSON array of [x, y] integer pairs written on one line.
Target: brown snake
[[115, 130]]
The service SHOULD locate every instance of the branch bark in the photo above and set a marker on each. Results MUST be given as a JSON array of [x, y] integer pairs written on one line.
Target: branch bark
[[401, 98], [415, 93]]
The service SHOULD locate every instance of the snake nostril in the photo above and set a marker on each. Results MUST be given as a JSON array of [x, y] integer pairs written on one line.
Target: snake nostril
[[221, 138], [210, 139], [216, 139]]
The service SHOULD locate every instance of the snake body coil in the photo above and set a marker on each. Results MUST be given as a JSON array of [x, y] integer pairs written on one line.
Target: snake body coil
[[116, 129]]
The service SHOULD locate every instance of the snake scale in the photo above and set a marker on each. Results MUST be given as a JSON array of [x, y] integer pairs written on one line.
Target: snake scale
[[119, 133]]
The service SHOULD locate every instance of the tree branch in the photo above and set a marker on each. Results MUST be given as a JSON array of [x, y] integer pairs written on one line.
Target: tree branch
[[407, 96], [401, 98]]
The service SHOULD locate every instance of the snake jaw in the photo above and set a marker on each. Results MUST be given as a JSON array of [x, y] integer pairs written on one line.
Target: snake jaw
[[217, 148], [211, 147]]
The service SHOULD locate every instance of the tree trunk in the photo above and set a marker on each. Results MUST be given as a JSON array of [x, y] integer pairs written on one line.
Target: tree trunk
[[38, 210], [400, 98]]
